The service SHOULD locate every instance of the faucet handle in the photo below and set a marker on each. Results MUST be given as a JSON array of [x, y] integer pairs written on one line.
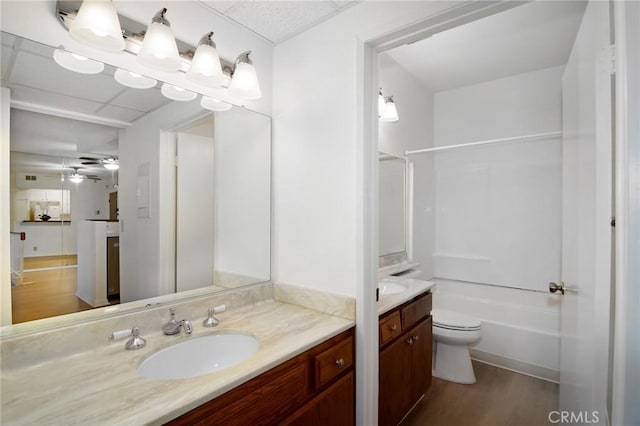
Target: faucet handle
[[218, 309], [136, 342], [211, 321]]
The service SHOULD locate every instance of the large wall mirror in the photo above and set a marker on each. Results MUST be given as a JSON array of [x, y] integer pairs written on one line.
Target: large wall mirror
[[186, 211], [392, 212]]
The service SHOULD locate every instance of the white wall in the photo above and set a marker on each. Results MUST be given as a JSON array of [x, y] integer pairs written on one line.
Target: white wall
[[243, 197], [413, 131], [189, 21], [195, 210]]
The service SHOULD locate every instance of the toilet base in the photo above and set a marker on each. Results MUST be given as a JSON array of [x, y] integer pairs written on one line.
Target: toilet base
[[453, 363]]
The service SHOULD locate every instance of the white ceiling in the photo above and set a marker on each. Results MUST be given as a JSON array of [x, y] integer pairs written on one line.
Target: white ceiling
[[534, 36], [277, 21]]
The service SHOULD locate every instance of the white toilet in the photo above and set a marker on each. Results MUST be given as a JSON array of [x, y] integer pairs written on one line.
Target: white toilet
[[452, 335]]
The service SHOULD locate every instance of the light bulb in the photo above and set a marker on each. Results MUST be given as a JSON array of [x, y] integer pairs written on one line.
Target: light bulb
[[77, 63], [205, 67], [177, 93], [390, 113], [244, 83], [134, 80], [159, 49], [97, 25], [214, 104]]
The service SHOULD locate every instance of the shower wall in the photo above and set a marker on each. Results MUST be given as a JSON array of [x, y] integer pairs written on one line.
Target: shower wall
[[498, 216]]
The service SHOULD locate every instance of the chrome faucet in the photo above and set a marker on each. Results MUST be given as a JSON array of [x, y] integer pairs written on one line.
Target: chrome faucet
[[173, 326]]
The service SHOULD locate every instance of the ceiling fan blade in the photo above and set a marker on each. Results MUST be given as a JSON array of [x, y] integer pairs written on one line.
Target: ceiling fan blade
[[89, 158], [89, 162]]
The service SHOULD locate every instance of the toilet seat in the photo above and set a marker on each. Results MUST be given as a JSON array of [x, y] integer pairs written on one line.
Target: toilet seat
[[454, 321]]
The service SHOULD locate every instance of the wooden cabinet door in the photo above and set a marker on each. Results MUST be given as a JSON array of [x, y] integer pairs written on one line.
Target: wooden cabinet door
[[394, 382], [420, 359], [335, 406]]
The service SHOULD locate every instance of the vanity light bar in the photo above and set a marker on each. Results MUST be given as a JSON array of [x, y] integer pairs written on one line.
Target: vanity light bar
[[133, 33]]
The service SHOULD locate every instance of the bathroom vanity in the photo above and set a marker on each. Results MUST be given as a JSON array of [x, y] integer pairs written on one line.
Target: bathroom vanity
[[405, 339], [302, 370], [314, 388]]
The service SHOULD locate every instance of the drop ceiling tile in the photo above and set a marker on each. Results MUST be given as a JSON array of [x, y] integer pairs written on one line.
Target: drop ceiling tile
[[53, 100], [40, 72], [7, 39], [278, 20], [144, 100], [221, 6], [5, 57], [122, 114]]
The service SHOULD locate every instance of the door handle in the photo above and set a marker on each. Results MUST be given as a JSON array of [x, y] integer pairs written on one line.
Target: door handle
[[553, 287]]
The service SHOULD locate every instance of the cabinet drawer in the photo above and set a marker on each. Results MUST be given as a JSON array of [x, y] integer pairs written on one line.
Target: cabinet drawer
[[333, 361], [390, 327], [416, 310]]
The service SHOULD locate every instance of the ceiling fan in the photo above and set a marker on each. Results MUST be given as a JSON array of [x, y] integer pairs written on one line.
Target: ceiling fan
[[76, 177], [109, 163]]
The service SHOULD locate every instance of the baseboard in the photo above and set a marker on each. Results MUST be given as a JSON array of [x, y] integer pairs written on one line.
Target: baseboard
[[514, 365]]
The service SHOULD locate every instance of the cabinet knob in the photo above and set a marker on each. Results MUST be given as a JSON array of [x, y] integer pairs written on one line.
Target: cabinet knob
[[410, 341], [416, 337], [393, 327], [340, 362]]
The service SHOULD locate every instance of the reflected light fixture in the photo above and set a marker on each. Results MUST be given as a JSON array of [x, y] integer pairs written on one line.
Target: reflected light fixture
[[381, 103], [159, 49], [77, 63], [76, 177], [205, 67], [111, 163], [244, 82], [214, 104], [177, 93], [133, 80], [97, 25], [390, 113]]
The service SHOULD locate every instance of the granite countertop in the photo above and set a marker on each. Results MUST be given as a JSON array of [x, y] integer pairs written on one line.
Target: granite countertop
[[413, 287], [102, 387]]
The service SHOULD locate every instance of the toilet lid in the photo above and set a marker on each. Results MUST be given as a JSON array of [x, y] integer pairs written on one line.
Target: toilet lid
[[454, 321]]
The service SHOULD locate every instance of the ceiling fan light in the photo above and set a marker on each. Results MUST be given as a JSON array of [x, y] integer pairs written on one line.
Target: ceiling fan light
[[176, 93], [244, 83], [214, 104], [111, 163], [77, 63], [205, 67], [97, 25], [159, 49], [76, 178], [133, 80]]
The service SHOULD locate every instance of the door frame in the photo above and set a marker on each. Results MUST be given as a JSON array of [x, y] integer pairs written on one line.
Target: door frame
[[367, 182], [367, 198]]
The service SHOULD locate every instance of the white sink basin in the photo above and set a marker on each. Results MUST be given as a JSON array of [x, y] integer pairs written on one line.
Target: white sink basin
[[389, 287], [199, 356]]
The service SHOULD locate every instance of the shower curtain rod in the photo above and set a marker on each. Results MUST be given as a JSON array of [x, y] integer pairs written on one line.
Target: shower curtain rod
[[537, 136]]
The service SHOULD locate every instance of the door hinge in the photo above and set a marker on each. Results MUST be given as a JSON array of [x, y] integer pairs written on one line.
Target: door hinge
[[613, 222]]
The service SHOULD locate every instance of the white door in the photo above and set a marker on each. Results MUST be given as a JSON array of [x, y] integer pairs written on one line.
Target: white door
[[195, 209], [586, 216]]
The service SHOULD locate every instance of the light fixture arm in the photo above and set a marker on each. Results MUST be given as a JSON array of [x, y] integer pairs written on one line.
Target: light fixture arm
[[206, 40], [159, 18]]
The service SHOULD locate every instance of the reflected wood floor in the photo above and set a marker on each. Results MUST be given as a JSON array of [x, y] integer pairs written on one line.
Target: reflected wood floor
[[47, 293], [498, 398], [50, 261]]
